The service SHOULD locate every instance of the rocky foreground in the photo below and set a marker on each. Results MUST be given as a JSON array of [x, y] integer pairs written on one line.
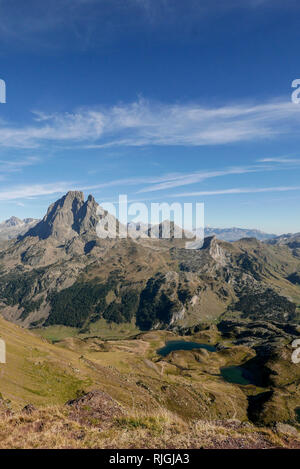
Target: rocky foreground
[[95, 420]]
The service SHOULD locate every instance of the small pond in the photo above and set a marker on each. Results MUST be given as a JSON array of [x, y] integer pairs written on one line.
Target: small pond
[[183, 345], [237, 375]]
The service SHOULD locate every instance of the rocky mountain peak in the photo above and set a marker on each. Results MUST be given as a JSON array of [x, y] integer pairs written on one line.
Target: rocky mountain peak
[[215, 249], [14, 227], [87, 216], [13, 221], [209, 241], [168, 229], [67, 218]]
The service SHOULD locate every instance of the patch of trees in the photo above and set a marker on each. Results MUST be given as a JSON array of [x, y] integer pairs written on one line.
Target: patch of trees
[[73, 305], [267, 304], [250, 266], [155, 306], [30, 306], [294, 278], [87, 301], [123, 311], [17, 288], [184, 294]]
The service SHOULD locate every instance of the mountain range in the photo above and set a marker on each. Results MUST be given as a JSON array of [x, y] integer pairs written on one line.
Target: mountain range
[[61, 272], [292, 240], [239, 300], [234, 234], [225, 234], [14, 227]]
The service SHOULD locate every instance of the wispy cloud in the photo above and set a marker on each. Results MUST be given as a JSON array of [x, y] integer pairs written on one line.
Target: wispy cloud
[[39, 190], [146, 123], [29, 191], [163, 182], [238, 191], [13, 166], [280, 160], [177, 180]]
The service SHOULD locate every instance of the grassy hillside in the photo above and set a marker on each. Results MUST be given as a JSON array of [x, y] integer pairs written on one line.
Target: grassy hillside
[[36, 371], [149, 400], [55, 428]]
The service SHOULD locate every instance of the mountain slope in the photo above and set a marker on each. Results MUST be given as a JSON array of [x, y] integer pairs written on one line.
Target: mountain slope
[[61, 272], [13, 227], [37, 372]]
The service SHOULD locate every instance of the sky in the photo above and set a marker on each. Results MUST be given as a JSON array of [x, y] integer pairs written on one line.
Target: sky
[[162, 100]]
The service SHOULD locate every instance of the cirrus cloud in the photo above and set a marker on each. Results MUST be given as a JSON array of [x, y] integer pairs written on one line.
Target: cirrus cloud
[[144, 123]]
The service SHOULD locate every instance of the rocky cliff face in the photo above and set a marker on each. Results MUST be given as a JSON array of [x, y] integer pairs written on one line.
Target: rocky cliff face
[[67, 218]]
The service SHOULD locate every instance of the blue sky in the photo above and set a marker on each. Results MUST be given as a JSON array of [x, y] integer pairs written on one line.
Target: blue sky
[[163, 100]]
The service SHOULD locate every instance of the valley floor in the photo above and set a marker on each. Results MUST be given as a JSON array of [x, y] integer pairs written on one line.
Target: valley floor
[[94, 393]]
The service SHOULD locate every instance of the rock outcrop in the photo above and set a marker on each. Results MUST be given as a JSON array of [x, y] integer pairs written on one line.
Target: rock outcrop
[[95, 408], [67, 218]]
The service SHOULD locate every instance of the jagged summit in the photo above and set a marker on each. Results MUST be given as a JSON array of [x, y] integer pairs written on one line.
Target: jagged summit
[[67, 218], [168, 229], [72, 216], [13, 221], [165, 229], [14, 227]]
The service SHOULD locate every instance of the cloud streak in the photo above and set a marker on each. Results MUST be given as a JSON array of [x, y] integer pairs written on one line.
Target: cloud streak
[[35, 190], [256, 190], [14, 166], [178, 180], [145, 123], [154, 184]]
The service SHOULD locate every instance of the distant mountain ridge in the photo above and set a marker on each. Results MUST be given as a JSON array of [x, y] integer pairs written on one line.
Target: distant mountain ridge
[[234, 234], [14, 227], [224, 234], [291, 240]]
